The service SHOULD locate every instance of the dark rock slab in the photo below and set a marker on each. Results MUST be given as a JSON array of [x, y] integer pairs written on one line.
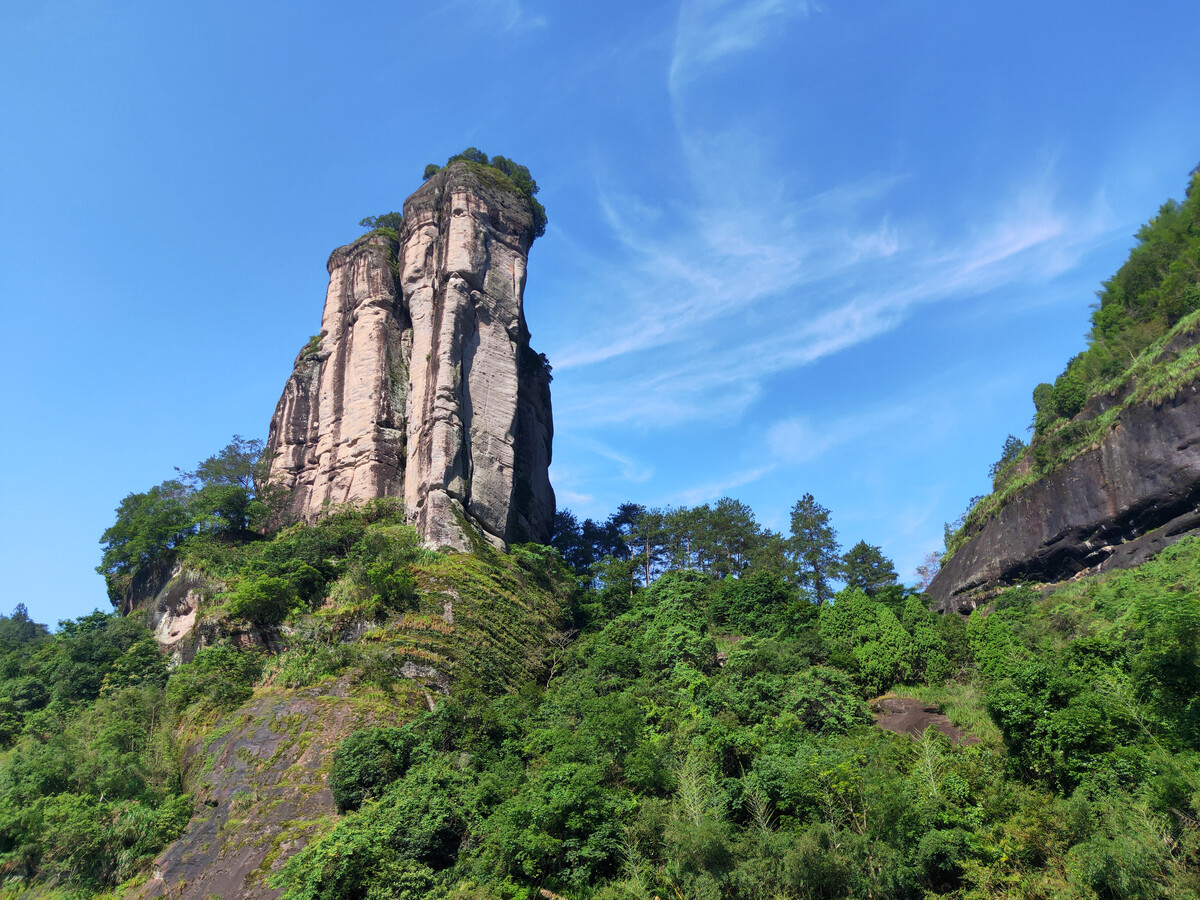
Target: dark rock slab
[[1112, 506], [258, 780]]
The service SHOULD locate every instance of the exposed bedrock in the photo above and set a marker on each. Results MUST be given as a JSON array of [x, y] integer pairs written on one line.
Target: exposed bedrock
[[1111, 506], [423, 385]]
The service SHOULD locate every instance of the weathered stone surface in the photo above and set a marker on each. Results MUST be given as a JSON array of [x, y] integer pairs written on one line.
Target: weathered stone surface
[[260, 792], [172, 614], [423, 385], [338, 430], [1111, 506]]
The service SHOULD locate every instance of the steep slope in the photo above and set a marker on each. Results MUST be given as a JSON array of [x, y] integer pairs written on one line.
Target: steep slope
[[1112, 473], [422, 384], [1112, 505], [256, 771]]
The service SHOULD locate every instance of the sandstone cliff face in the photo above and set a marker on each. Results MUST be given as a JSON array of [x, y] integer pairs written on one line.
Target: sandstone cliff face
[[1111, 506], [423, 385]]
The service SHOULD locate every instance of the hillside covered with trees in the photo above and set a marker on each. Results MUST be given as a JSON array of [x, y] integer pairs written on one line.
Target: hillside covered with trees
[[666, 703]]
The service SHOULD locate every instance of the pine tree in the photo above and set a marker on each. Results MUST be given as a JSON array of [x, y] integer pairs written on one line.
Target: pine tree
[[865, 567], [813, 549]]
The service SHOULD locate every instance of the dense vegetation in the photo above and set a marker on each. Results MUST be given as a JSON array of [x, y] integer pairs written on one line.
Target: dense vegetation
[[90, 787], [218, 500], [94, 719], [709, 736], [1156, 287], [1141, 347], [687, 716], [666, 703]]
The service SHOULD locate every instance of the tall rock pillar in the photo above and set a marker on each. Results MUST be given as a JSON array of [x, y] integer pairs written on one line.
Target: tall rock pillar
[[423, 385]]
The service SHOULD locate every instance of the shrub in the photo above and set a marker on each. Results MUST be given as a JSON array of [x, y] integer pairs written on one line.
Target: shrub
[[868, 637], [218, 678], [366, 762], [1070, 393], [264, 600], [759, 603]]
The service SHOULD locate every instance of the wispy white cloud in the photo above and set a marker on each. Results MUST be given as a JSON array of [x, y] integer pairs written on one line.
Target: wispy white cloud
[[501, 15], [715, 490], [798, 440], [722, 298], [709, 30], [630, 469], [753, 275], [567, 496]]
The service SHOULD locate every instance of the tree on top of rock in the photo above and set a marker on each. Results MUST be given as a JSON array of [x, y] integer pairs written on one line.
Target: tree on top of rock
[[517, 174]]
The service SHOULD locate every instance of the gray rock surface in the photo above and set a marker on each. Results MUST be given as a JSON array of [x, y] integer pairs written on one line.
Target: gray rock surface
[[1111, 506], [260, 792], [423, 385]]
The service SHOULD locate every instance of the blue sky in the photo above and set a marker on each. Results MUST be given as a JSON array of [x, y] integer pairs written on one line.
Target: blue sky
[[793, 247]]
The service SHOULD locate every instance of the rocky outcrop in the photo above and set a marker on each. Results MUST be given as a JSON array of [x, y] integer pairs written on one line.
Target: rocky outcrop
[[1113, 505], [258, 782], [422, 384]]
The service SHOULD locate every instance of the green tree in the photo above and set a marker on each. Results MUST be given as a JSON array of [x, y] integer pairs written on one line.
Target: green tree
[[262, 600], [813, 548], [148, 526], [758, 602], [233, 466], [1069, 395], [869, 639], [366, 763], [1012, 448], [222, 489], [1043, 405], [566, 536], [393, 221], [865, 567], [646, 535], [732, 535]]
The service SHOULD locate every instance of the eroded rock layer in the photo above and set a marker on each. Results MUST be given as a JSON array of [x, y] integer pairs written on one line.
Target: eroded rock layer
[[1132, 494], [422, 384]]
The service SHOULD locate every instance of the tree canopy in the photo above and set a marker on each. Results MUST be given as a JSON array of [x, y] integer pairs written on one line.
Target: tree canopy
[[219, 497]]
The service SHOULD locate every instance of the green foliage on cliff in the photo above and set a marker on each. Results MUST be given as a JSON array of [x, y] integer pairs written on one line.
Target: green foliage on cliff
[[93, 719], [512, 176], [1155, 288], [638, 765], [695, 728], [219, 499], [391, 221], [1141, 347]]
